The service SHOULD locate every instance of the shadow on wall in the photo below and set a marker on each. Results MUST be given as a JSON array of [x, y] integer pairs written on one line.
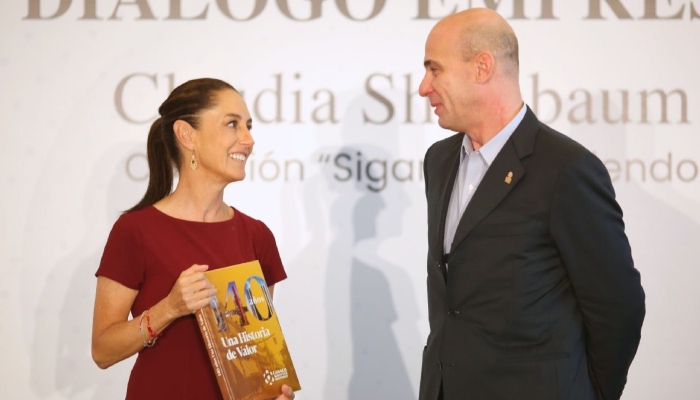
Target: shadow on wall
[[66, 304], [371, 312], [379, 370]]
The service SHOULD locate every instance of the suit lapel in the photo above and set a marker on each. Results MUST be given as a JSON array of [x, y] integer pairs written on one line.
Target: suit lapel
[[491, 191], [450, 168], [495, 186]]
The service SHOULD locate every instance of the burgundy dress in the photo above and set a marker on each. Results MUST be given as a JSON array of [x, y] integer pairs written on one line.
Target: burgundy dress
[[146, 251]]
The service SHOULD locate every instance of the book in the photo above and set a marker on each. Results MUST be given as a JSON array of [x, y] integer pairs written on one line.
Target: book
[[243, 336]]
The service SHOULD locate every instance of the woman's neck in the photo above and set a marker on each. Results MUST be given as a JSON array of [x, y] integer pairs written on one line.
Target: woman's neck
[[194, 203]]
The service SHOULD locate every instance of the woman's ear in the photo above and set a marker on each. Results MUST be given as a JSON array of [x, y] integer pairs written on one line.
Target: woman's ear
[[183, 132]]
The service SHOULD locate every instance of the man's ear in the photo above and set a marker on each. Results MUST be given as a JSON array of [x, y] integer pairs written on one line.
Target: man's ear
[[485, 64], [183, 132]]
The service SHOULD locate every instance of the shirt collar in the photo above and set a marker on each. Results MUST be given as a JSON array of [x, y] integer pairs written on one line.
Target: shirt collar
[[490, 150]]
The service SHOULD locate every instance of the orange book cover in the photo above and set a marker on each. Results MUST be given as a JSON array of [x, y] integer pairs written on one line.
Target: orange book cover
[[243, 336]]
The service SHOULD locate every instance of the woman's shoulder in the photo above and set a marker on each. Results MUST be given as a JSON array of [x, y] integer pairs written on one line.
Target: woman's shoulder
[[132, 219], [147, 212], [245, 218], [253, 224]]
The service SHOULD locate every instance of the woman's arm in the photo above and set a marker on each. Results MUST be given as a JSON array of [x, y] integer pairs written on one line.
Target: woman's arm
[[115, 337]]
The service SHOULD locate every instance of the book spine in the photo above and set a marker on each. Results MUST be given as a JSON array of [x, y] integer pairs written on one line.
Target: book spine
[[214, 355]]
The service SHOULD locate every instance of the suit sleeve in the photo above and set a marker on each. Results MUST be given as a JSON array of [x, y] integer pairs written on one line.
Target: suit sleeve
[[587, 227]]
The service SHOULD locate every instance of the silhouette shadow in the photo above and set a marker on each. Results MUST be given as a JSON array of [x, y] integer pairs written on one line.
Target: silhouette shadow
[[371, 311], [66, 304]]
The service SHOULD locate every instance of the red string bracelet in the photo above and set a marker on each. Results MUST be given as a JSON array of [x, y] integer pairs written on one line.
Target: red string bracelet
[[151, 334]]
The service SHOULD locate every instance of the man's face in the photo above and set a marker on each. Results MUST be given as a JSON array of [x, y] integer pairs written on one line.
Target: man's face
[[448, 82]]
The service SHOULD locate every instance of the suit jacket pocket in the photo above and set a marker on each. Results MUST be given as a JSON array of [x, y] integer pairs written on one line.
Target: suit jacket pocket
[[535, 357], [510, 228]]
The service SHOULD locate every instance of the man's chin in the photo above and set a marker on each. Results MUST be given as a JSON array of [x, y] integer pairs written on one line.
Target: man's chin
[[444, 124]]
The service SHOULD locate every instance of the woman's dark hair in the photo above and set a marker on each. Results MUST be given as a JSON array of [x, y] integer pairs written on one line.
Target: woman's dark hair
[[184, 103]]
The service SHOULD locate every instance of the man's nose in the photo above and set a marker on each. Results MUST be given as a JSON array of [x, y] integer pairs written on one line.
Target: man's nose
[[425, 88]]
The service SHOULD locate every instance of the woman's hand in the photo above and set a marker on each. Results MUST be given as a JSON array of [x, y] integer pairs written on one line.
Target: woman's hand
[[191, 291]]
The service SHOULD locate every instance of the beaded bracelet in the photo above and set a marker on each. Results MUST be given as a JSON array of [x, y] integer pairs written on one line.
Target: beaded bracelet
[[151, 334], [153, 337]]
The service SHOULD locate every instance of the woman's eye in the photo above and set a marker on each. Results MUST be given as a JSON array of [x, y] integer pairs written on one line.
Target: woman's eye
[[233, 124]]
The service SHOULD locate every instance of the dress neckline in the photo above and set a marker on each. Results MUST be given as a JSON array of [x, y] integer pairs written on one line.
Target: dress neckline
[[230, 220]]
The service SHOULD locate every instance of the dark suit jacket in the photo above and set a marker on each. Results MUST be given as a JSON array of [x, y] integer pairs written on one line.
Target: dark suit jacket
[[541, 299]]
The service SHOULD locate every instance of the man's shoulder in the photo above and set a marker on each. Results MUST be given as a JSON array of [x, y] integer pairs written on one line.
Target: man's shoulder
[[555, 145], [534, 138], [556, 151]]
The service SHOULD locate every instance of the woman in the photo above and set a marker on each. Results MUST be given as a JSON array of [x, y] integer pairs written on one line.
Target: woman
[[157, 252]]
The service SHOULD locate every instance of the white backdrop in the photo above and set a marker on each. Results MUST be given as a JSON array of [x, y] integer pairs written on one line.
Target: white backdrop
[[340, 134]]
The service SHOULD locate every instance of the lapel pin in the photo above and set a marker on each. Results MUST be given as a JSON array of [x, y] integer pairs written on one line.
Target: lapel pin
[[509, 177]]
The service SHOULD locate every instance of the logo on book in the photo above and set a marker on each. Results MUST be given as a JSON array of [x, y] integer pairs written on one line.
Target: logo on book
[[269, 379], [272, 376]]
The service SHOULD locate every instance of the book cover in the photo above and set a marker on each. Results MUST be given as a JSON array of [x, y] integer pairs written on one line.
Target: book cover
[[243, 336]]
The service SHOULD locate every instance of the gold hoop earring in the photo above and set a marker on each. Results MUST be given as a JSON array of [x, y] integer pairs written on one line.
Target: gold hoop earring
[[193, 162]]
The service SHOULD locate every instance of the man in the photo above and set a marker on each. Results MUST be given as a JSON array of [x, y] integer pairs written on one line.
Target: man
[[532, 292]]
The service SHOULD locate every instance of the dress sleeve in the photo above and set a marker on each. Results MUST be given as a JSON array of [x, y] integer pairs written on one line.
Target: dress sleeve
[[122, 259], [267, 253]]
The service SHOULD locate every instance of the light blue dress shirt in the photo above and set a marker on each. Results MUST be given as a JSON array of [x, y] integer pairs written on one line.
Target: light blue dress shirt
[[472, 168]]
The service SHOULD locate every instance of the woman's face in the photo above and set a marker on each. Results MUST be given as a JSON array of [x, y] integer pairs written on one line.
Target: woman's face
[[222, 142]]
